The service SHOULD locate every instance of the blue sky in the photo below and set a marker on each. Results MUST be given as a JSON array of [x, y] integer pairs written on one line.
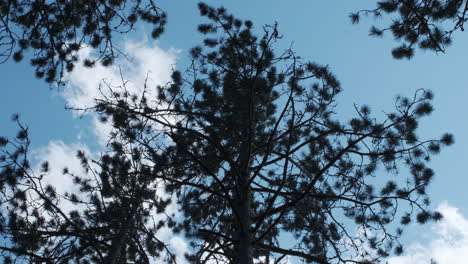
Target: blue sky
[[318, 30]]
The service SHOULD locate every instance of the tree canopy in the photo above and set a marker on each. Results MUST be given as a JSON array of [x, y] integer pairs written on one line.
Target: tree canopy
[[250, 143], [54, 31], [424, 24]]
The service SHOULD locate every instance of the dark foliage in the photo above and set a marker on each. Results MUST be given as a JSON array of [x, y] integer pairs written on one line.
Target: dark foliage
[[54, 31], [109, 220], [254, 150], [427, 24]]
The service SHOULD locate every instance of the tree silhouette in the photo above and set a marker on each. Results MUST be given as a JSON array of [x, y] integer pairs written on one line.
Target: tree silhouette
[[427, 24], [54, 31], [251, 144], [112, 219]]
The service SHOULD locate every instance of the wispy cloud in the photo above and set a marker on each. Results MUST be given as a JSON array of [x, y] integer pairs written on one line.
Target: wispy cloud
[[144, 64], [447, 242], [59, 156]]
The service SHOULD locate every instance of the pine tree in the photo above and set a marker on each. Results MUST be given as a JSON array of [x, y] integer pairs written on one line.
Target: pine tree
[[427, 24], [113, 219], [54, 31], [251, 144]]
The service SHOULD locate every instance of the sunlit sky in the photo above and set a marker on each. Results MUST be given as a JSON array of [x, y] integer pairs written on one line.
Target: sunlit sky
[[318, 30]]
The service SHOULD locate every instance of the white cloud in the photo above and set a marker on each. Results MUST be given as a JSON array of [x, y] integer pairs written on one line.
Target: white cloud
[[143, 62], [180, 247], [59, 156], [144, 65], [262, 260], [101, 131], [448, 243], [176, 244]]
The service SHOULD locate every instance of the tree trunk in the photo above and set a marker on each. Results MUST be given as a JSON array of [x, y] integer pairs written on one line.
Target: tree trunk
[[119, 241], [116, 246], [245, 250], [245, 236], [244, 247]]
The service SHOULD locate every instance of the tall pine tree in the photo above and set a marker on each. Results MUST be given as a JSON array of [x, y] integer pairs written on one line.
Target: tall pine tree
[[263, 168]]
